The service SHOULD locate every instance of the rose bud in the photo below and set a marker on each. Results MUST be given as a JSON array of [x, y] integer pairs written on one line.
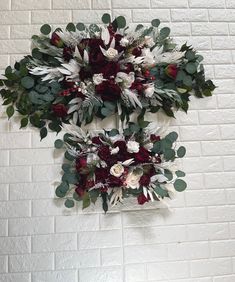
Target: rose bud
[[56, 40], [171, 71], [59, 110], [142, 199]]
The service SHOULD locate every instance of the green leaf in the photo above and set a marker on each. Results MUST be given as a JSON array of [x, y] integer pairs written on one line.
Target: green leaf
[[24, 122], [165, 32], [43, 132], [180, 185], [191, 68], [36, 54], [68, 156], [157, 147], [45, 29], [106, 18], [106, 112], [190, 55], [66, 167], [111, 106], [180, 173], [155, 22], [168, 174], [10, 111], [80, 26], [138, 27], [71, 27], [160, 191], [27, 82], [58, 144], [172, 136], [69, 203], [169, 155], [86, 200], [94, 194], [113, 132], [70, 177], [121, 22], [181, 152], [62, 189]]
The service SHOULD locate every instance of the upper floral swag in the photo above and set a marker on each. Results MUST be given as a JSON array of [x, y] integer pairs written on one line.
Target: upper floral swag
[[97, 70]]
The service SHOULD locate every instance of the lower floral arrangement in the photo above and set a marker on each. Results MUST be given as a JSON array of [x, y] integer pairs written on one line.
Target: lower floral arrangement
[[114, 165]]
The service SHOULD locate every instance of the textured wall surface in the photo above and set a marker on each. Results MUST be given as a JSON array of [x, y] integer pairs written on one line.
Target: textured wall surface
[[195, 242]]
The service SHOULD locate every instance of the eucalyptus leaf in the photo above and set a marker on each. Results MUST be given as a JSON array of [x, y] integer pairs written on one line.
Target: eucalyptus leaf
[[45, 29], [24, 122], [106, 18], [71, 27], [58, 144], [155, 22], [180, 173], [10, 111], [181, 152], [86, 200], [27, 82], [69, 203], [80, 26], [165, 32], [180, 185]]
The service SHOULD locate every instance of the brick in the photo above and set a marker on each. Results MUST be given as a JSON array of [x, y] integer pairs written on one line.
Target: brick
[[30, 262], [142, 218], [209, 29], [205, 198], [71, 4], [223, 42], [14, 209], [180, 29], [182, 119], [78, 259], [14, 140], [205, 132], [222, 15], [77, 223], [4, 158], [194, 181], [101, 274], [55, 276], [14, 245], [227, 278], [47, 207], [30, 5], [21, 174], [183, 15], [230, 196], [24, 31], [111, 256], [19, 277], [210, 164], [40, 190], [145, 16], [218, 180], [31, 226], [51, 16], [128, 16], [128, 4], [94, 16], [216, 116], [193, 148], [3, 264], [224, 71], [135, 272], [46, 172], [218, 148], [169, 4], [217, 57], [4, 61], [209, 4], [113, 221], [14, 17], [101, 4], [221, 214], [5, 5], [222, 248], [209, 267], [205, 232], [229, 163], [160, 271], [54, 242], [226, 101], [3, 227]]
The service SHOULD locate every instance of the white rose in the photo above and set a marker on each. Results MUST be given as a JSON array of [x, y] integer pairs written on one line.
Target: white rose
[[98, 78], [149, 91], [132, 180], [124, 42], [111, 53], [148, 40], [114, 151], [117, 170], [148, 56], [133, 147], [125, 79]]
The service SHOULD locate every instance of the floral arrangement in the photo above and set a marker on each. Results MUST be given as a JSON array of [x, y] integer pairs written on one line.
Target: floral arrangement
[[97, 70], [115, 165]]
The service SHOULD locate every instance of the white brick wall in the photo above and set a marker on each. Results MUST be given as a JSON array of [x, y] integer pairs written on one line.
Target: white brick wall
[[40, 241]]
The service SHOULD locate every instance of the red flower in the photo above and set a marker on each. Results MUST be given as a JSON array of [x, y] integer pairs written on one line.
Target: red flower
[[109, 69], [68, 53], [81, 163], [104, 153], [142, 199], [138, 86], [108, 90], [136, 52], [96, 140], [56, 40], [80, 190], [114, 181], [145, 180], [142, 156], [101, 175], [85, 73], [154, 138], [171, 71], [59, 110]]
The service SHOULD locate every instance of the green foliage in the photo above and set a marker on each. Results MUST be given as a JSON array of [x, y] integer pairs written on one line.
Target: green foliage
[[71, 27], [155, 22], [106, 18], [24, 122], [180, 185], [58, 144], [69, 203], [43, 132], [45, 29], [86, 200], [10, 111], [27, 82], [181, 152], [80, 26]]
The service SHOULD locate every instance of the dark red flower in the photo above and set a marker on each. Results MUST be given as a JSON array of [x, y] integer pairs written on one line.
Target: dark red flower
[[85, 73], [138, 86], [142, 199], [59, 110], [136, 52], [101, 174], [96, 140], [104, 153], [142, 156], [68, 53], [109, 69], [145, 180], [108, 91], [171, 71], [56, 40], [114, 181], [154, 138], [128, 68], [81, 163]]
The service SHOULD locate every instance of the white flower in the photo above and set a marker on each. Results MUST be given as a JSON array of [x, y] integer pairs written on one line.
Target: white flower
[[111, 53], [117, 170], [124, 42], [149, 42], [132, 180], [114, 150], [133, 147], [125, 79], [115, 138], [149, 90], [98, 78], [148, 56]]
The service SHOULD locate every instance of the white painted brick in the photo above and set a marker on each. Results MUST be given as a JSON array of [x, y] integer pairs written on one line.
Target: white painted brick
[[169, 4], [71, 4], [225, 86], [180, 29], [4, 61], [145, 16], [221, 214], [223, 248], [77, 223], [5, 32], [14, 209], [46, 172], [51, 16], [31, 226], [227, 278], [112, 256], [209, 4], [14, 17], [218, 148], [127, 13], [222, 42], [82, 16], [30, 262], [193, 148], [218, 180], [14, 140], [226, 101], [199, 43], [196, 15], [30, 5], [205, 232], [189, 133], [209, 267], [182, 119], [225, 71], [55, 276], [14, 245], [4, 158], [209, 29], [216, 116], [142, 218], [232, 28], [40, 190], [99, 239], [206, 279], [21, 174], [217, 57], [47, 207], [54, 242], [230, 196], [78, 259], [19, 277], [101, 4], [24, 32], [209, 164], [194, 181], [222, 15], [113, 274], [5, 5], [167, 270], [130, 4], [113, 221], [232, 229], [3, 227], [3, 264], [229, 163], [135, 272]]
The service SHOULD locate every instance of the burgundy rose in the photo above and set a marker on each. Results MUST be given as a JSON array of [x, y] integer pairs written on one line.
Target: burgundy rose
[[56, 40], [101, 174], [81, 163], [154, 138], [142, 156], [68, 53], [136, 52], [138, 86], [171, 71], [108, 90], [109, 69], [80, 190], [104, 153], [59, 110], [85, 73], [145, 180], [114, 181], [142, 199], [128, 68], [96, 140]]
